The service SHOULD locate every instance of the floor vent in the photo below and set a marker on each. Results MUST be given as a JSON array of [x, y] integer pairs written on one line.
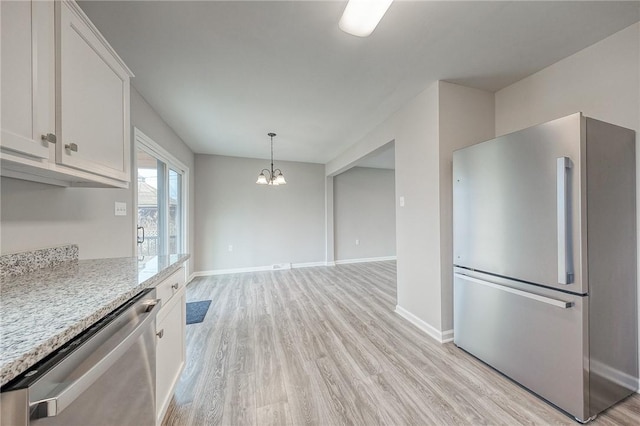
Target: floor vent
[[278, 266]]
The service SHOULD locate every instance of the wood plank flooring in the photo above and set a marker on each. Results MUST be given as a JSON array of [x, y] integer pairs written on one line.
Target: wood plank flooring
[[322, 346]]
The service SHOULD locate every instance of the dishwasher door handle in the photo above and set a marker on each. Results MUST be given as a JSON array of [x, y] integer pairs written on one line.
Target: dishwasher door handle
[[52, 406]]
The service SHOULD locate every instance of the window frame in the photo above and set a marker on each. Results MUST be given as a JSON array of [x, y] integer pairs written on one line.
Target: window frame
[[145, 143]]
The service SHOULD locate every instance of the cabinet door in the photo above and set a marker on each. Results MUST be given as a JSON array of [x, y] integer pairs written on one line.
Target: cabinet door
[[92, 93], [27, 76], [170, 352]]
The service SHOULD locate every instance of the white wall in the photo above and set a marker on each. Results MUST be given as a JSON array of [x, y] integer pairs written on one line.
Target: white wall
[[601, 81], [364, 210], [418, 222], [34, 215], [265, 225]]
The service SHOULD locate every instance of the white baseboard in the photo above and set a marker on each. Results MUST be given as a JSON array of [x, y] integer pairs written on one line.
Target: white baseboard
[[232, 271], [619, 377], [293, 266], [364, 260], [447, 336], [254, 269], [440, 336], [191, 277], [308, 264]]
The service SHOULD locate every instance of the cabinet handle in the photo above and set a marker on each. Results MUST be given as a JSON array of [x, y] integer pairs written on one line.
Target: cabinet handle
[[175, 286], [49, 137], [160, 333], [71, 147]]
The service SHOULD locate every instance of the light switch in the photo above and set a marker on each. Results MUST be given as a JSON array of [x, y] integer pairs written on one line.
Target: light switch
[[230, 247], [401, 201], [120, 209]]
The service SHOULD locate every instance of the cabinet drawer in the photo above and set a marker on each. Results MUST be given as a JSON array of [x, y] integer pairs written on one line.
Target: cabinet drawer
[[533, 335], [170, 286]]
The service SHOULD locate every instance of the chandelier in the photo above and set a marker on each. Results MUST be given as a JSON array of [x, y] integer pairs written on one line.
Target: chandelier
[[272, 177]]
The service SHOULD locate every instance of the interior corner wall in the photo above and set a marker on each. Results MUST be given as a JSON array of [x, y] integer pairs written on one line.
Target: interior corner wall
[[364, 210], [263, 225], [34, 215], [466, 117]]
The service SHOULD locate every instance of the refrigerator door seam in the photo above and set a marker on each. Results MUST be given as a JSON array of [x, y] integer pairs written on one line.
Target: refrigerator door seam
[[548, 300]]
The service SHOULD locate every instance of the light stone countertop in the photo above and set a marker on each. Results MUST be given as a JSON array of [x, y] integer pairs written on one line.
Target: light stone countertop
[[42, 310]]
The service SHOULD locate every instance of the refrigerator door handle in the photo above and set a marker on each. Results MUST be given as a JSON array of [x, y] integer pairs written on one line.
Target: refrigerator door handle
[[548, 300], [565, 270]]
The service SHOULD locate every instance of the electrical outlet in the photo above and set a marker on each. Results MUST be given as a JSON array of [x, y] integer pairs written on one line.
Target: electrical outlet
[[230, 248], [120, 209], [357, 242], [401, 201]]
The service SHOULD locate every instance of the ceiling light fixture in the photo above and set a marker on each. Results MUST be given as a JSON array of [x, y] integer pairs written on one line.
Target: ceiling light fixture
[[273, 177], [361, 17]]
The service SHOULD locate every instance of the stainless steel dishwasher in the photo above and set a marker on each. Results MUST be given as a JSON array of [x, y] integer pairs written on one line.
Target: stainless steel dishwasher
[[105, 376]]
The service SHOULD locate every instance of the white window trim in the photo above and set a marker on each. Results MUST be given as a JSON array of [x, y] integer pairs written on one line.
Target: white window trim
[[145, 143]]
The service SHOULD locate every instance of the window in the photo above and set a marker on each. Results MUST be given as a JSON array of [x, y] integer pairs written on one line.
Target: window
[[160, 198]]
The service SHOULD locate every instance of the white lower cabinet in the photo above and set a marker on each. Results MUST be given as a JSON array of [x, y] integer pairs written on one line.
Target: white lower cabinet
[[170, 349]]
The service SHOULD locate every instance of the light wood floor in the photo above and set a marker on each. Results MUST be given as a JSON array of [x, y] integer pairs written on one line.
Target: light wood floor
[[323, 346]]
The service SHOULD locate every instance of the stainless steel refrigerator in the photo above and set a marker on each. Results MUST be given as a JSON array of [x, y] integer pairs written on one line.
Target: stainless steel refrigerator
[[545, 260]]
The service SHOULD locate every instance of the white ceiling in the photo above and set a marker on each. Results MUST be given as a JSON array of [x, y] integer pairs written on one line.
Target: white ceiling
[[224, 74]]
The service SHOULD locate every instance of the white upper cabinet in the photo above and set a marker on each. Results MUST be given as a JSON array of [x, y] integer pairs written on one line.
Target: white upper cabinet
[[27, 77], [65, 98], [92, 92]]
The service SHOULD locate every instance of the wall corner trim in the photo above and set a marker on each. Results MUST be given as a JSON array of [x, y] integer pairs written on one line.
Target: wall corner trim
[[440, 336], [364, 260]]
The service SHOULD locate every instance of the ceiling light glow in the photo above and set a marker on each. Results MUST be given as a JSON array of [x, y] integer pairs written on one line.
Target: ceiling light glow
[[361, 17]]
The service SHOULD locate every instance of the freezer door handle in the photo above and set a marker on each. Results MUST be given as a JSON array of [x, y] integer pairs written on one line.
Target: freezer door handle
[[565, 269], [54, 405], [548, 300]]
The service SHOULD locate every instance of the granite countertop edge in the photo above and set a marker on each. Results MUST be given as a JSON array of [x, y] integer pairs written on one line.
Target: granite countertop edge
[[14, 368]]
